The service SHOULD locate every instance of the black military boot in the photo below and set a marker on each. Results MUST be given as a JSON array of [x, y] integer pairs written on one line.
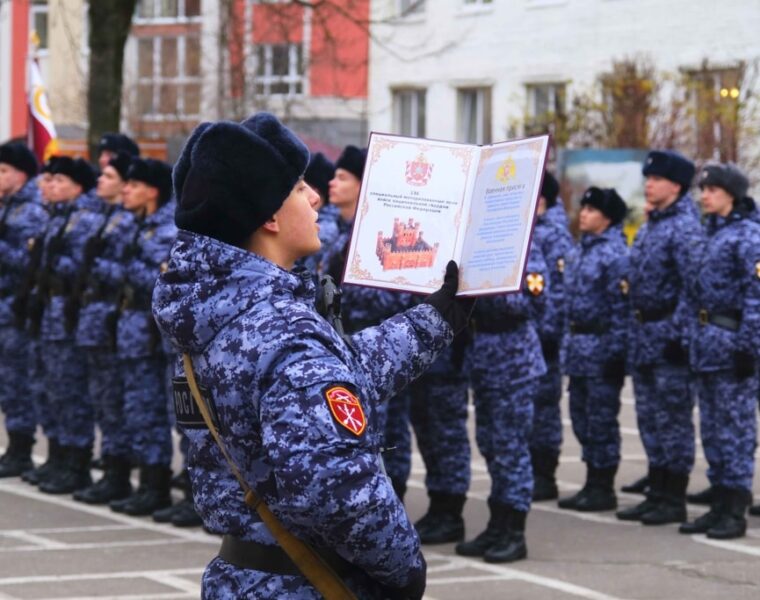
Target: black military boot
[[672, 507], [704, 497], [571, 502], [655, 491], [154, 491], [186, 515], [18, 455], [600, 494], [732, 522], [754, 510], [704, 522], [637, 487], [511, 544], [74, 475], [496, 528], [114, 485], [443, 522], [181, 480], [544, 469], [53, 464]]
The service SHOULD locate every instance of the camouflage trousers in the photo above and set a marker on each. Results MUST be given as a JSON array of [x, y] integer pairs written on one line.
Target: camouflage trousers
[[546, 434], [35, 369], [503, 421], [439, 419], [15, 400], [397, 439], [594, 409], [105, 387], [664, 406], [728, 427], [65, 368], [145, 407]]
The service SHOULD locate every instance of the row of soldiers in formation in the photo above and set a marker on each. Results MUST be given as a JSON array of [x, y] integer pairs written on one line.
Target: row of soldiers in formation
[[79, 255], [679, 311]]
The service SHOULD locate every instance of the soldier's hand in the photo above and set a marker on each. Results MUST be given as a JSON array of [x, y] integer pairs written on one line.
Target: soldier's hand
[[455, 311], [744, 364]]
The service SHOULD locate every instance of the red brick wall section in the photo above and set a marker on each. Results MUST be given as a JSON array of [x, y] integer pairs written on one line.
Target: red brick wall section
[[19, 54]]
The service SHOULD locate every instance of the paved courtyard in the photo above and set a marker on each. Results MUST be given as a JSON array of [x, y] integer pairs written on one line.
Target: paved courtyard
[[52, 547]]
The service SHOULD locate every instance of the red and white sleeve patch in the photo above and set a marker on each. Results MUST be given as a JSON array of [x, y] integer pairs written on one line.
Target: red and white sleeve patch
[[346, 409]]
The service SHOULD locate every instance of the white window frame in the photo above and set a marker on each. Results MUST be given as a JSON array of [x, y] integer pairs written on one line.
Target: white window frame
[[415, 94], [35, 9], [553, 86], [292, 78], [482, 108], [154, 20], [179, 81]]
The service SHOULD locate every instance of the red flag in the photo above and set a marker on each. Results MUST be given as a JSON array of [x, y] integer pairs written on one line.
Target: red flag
[[42, 136]]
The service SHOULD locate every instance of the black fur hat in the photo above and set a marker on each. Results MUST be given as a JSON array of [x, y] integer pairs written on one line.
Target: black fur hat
[[121, 162], [550, 189], [155, 173], [77, 169], [670, 165], [19, 157], [118, 142], [352, 160], [606, 200], [726, 176], [232, 177], [319, 173]]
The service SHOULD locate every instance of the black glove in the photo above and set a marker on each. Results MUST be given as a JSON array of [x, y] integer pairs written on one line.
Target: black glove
[[744, 364], [455, 311], [550, 350], [414, 590], [614, 370], [675, 354]]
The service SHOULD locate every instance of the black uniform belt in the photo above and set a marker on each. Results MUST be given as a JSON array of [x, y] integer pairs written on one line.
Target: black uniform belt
[[272, 559], [137, 304], [731, 321], [7, 293], [654, 314], [504, 325], [589, 328]]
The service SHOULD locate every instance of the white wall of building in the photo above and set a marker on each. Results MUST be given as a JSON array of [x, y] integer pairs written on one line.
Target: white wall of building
[[507, 44]]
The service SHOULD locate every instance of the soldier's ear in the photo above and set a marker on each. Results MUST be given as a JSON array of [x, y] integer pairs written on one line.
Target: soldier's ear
[[272, 225]]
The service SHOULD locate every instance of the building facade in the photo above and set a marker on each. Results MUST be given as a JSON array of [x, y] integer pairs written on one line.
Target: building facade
[[485, 70]]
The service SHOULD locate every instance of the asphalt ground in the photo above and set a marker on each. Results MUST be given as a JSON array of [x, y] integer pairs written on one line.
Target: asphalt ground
[[53, 547]]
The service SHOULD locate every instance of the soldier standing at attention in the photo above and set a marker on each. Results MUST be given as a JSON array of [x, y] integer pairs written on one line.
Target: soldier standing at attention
[[663, 264], [21, 219], [555, 243], [505, 362], [725, 346], [100, 280], [138, 343], [294, 403], [112, 144], [596, 323], [65, 369]]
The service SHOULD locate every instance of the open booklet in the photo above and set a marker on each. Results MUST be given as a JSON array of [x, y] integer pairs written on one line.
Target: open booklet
[[425, 202]]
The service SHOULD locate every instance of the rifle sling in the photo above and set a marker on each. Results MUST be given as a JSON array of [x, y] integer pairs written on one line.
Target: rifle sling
[[310, 563]]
